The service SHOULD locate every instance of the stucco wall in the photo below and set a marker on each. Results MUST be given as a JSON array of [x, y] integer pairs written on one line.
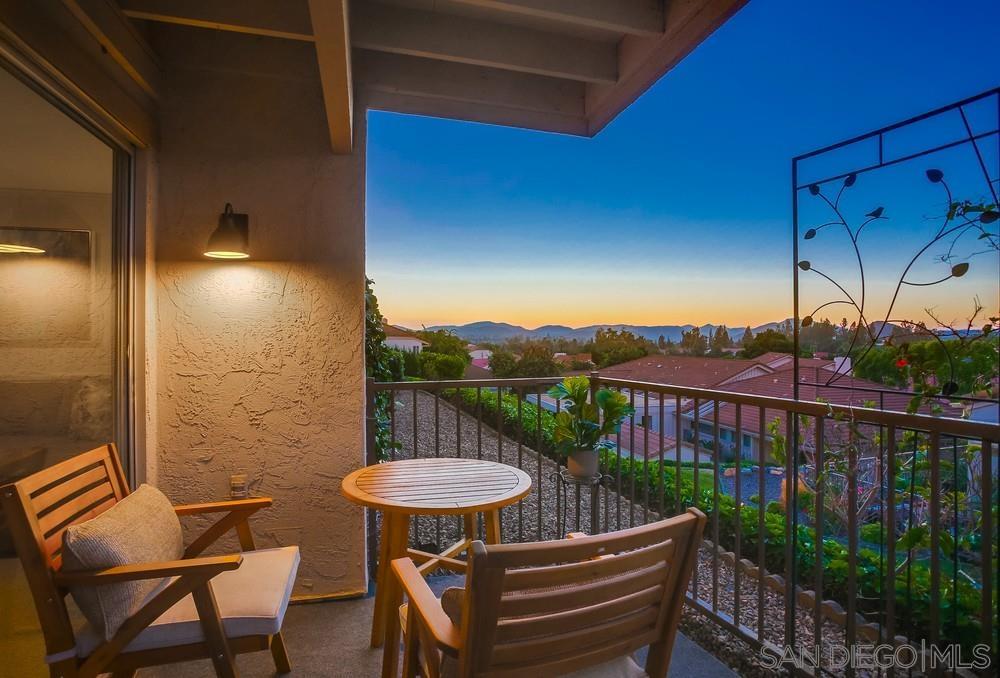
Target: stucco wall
[[259, 364]]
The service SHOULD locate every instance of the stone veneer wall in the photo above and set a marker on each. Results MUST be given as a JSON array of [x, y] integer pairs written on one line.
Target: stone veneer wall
[[259, 365]]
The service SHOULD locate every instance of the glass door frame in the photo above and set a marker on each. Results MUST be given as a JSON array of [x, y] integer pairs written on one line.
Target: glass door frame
[[123, 249]]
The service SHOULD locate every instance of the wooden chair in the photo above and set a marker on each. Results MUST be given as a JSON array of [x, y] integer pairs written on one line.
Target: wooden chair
[[40, 507], [553, 608]]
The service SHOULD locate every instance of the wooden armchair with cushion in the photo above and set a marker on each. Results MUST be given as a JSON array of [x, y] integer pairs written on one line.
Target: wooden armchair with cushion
[[147, 600], [576, 607]]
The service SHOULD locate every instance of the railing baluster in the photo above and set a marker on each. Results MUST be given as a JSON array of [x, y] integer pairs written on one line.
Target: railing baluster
[[415, 523], [520, 460], [479, 422], [459, 521], [437, 452], [852, 541], [696, 444], [538, 447], [678, 438], [890, 542], [716, 470], [659, 469], [618, 475], [934, 453], [392, 425], [986, 546], [761, 505], [791, 523], [633, 459], [646, 461], [820, 480], [738, 521]]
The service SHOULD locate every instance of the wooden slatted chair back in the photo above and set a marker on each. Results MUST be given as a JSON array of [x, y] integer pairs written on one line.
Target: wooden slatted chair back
[[39, 508], [549, 608]]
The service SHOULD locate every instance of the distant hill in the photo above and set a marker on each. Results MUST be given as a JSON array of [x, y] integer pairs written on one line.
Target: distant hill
[[489, 331]]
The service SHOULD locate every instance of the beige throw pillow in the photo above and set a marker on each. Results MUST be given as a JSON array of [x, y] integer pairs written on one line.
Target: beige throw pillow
[[142, 528]]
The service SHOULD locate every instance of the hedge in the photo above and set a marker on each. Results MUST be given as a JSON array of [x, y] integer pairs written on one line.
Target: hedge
[[959, 606]]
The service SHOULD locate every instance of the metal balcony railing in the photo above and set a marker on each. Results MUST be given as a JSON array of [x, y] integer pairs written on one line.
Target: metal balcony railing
[[904, 506]]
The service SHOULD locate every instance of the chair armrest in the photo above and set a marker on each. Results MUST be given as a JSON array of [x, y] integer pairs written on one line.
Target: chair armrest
[[426, 604], [208, 566], [250, 504]]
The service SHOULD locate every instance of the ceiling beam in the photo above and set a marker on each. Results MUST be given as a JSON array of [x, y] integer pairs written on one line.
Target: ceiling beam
[[415, 104], [461, 83], [632, 17], [333, 52], [252, 17], [119, 40], [481, 43]]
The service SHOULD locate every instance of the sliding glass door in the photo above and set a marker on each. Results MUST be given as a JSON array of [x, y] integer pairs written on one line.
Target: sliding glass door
[[63, 280]]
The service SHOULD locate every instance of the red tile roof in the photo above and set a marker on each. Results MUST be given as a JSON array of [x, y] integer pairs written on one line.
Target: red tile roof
[[633, 439], [689, 371], [571, 358], [394, 331], [849, 391]]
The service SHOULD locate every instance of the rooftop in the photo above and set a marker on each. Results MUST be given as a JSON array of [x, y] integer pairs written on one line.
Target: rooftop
[[696, 372]]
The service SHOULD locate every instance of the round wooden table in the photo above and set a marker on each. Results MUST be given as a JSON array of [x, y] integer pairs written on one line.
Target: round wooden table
[[433, 486]]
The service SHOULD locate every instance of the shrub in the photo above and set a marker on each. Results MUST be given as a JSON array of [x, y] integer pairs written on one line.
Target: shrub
[[441, 366]]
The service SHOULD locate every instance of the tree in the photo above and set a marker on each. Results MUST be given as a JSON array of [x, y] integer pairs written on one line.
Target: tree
[[381, 364], [766, 342], [537, 361], [436, 366], [503, 363], [819, 335], [445, 343], [693, 342], [747, 336], [612, 347], [720, 340], [661, 343]]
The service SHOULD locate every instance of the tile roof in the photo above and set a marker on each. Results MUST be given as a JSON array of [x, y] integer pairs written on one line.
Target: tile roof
[[849, 391], [633, 439], [394, 331], [692, 371]]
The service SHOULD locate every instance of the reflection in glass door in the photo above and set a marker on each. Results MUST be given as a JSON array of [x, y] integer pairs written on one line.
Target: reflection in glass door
[[61, 311]]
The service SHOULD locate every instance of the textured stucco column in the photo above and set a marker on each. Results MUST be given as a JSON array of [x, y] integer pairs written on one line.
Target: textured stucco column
[[260, 365]]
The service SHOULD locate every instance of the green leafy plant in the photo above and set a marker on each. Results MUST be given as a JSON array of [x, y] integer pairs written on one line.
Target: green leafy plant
[[584, 422]]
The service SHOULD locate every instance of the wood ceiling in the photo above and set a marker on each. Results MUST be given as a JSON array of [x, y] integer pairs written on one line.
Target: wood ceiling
[[567, 66]]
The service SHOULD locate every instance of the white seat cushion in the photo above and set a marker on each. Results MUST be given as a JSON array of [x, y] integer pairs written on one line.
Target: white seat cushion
[[252, 601]]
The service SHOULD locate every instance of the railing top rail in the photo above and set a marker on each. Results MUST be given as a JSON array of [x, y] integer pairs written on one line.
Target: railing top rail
[[463, 383], [920, 422]]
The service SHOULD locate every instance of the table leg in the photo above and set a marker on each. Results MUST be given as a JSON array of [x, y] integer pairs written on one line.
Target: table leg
[[389, 596], [470, 525], [492, 519]]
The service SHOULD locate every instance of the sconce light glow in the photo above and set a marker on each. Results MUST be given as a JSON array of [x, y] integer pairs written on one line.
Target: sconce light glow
[[231, 238], [11, 248]]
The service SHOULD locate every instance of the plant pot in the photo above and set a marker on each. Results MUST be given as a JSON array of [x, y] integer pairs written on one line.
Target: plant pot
[[583, 463]]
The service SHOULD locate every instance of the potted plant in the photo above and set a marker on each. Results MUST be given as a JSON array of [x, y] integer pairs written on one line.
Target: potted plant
[[583, 423]]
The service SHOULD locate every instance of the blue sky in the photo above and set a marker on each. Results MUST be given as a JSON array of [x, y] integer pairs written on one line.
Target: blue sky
[[679, 211]]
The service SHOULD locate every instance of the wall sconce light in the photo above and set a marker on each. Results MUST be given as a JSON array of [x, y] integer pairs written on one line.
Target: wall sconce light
[[231, 237]]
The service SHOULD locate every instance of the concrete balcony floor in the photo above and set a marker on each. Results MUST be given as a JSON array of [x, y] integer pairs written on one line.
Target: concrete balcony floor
[[328, 640]]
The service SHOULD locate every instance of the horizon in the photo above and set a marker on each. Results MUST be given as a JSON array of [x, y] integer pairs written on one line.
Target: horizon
[[685, 208]]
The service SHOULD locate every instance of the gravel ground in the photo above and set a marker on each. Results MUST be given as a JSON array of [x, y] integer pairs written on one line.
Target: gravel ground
[[441, 432]]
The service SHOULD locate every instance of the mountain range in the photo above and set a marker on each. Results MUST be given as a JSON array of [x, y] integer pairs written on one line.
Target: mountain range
[[489, 331]]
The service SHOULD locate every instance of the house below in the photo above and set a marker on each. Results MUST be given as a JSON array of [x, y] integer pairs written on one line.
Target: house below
[[478, 353], [402, 339]]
